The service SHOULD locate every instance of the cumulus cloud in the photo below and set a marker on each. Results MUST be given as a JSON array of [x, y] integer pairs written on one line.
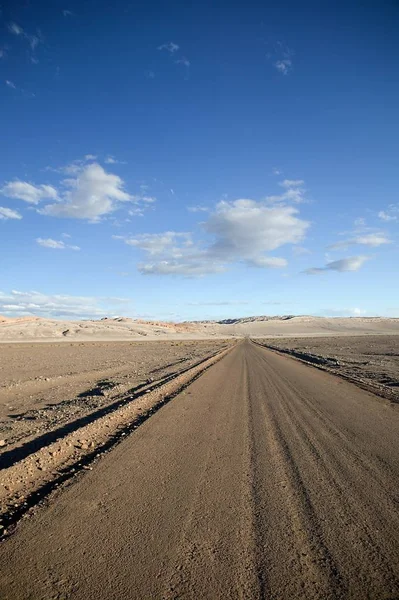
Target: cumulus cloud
[[352, 263], [55, 244], [19, 304], [28, 192], [91, 195], [246, 228], [368, 239], [241, 231], [7, 213]]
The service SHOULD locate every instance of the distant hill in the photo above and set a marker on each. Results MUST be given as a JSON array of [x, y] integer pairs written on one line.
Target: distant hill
[[27, 329]]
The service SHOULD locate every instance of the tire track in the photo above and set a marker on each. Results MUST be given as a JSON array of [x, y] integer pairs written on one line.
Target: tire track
[[312, 572], [327, 465]]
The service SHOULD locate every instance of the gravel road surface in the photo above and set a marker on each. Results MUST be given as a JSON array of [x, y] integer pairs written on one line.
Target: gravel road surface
[[264, 479]]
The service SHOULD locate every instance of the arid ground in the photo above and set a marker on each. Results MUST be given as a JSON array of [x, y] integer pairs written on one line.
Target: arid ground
[[370, 361], [46, 385], [200, 469]]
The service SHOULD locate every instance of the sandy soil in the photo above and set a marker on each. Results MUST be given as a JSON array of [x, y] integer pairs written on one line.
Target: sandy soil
[[372, 362], [46, 385], [264, 478], [37, 329]]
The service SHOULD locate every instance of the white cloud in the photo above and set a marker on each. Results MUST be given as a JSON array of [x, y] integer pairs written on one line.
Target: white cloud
[[352, 263], [292, 183], [294, 192], [170, 47], [18, 304], [22, 190], [271, 261], [55, 244], [390, 214], [368, 239], [284, 65], [7, 213], [187, 267], [242, 231], [169, 243], [246, 228], [91, 195], [11, 84], [384, 216], [74, 167], [276, 171], [67, 13]]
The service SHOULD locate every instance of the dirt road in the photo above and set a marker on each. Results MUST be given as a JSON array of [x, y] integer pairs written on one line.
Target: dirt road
[[264, 479]]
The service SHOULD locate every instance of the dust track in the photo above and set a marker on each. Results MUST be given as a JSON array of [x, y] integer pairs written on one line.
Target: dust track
[[265, 478]]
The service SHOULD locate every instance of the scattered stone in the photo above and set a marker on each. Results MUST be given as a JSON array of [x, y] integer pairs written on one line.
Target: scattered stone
[[3, 443]]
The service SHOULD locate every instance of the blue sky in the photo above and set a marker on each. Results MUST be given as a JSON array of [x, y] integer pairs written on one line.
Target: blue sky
[[178, 161]]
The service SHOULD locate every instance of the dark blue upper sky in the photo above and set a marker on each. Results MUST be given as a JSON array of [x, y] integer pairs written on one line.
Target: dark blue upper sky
[[199, 155]]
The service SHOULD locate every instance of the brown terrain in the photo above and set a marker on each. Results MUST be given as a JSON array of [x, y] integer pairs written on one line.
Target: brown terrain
[[46, 385], [371, 362], [239, 473], [24, 329]]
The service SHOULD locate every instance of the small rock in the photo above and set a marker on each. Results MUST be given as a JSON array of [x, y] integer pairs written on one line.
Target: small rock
[[2, 443]]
